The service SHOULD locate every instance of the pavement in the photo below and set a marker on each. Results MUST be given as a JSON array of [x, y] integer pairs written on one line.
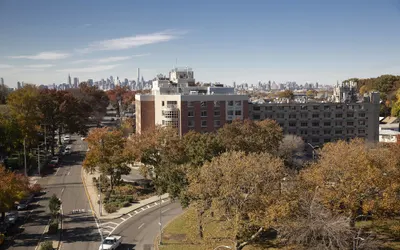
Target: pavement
[[80, 230]]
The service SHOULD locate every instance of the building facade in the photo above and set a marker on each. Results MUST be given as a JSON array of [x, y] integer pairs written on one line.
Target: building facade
[[179, 102], [319, 123]]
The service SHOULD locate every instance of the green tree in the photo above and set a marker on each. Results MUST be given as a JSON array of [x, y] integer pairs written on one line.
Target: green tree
[[245, 188], [54, 205], [4, 92], [107, 154], [13, 188], [286, 94]]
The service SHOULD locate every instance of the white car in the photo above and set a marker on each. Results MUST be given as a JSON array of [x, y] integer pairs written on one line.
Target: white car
[[112, 242], [67, 138]]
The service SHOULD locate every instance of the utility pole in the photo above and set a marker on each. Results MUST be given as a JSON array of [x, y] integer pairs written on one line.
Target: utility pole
[[38, 158], [160, 224], [26, 173]]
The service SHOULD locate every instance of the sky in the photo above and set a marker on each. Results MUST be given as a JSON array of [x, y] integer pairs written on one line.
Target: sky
[[43, 41]]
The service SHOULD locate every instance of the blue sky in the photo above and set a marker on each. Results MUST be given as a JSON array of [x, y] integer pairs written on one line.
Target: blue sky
[[226, 40]]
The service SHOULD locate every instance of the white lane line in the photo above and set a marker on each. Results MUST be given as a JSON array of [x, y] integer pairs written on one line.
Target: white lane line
[[41, 237], [123, 219], [148, 206], [62, 190], [163, 211], [56, 171], [105, 231], [109, 227], [143, 208], [141, 226], [155, 203], [136, 212], [69, 173], [130, 215]]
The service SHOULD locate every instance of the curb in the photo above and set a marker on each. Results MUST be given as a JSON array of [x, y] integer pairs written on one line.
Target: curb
[[116, 216], [157, 238]]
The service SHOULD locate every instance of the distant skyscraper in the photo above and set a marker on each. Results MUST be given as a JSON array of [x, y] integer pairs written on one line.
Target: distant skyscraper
[[90, 82], [19, 85], [316, 85], [69, 79], [2, 80], [76, 82], [138, 79]]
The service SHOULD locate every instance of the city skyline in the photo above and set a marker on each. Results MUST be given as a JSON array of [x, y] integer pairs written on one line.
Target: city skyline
[[225, 42]]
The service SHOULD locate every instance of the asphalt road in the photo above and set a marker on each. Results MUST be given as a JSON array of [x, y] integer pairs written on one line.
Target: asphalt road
[[79, 230], [140, 231]]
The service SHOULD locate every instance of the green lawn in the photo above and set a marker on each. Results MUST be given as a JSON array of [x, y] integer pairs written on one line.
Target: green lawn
[[181, 234]]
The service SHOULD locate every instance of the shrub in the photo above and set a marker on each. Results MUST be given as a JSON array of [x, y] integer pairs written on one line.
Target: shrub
[[110, 207], [47, 245], [53, 226]]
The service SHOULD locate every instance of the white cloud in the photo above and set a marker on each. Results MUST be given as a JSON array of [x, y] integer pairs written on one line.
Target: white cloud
[[131, 42], [39, 66], [50, 55], [108, 59], [5, 66], [91, 69]]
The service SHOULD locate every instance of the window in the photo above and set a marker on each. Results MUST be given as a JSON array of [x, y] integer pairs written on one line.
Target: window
[[293, 107], [361, 122], [268, 108], [280, 116], [315, 140], [292, 116], [327, 115], [303, 124], [256, 108], [190, 104], [326, 107], [361, 114], [162, 103], [203, 104], [339, 115], [327, 124], [204, 113], [315, 115], [238, 112], [315, 124], [230, 112], [350, 131], [191, 113], [361, 131], [217, 113], [327, 140], [350, 123], [172, 102], [338, 132], [204, 123], [190, 123], [327, 131], [230, 103], [338, 106], [315, 107], [350, 115], [303, 132], [256, 117], [217, 123], [216, 104], [238, 103], [303, 115], [315, 132], [338, 123], [303, 107], [292, 124]]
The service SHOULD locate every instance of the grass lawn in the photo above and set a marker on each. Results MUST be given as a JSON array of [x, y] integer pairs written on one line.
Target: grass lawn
[[181, 234]]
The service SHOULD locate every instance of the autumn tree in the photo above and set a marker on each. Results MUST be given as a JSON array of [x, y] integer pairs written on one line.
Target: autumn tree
[[107, 154], [243, 187], [4, 92], [23, 104], [251, 136], [355, 179], [10, 133], [288, 94], [291, 149], [13, 188]]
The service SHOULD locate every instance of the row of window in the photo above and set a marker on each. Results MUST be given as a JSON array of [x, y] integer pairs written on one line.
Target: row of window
[[170, 114], [217, 123], [308, 107], [328, 132], [315, 124], [217, 113], [170, 123], [216, 103], [313, 115]]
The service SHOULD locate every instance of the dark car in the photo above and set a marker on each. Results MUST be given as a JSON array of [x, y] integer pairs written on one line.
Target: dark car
[[54, 162]]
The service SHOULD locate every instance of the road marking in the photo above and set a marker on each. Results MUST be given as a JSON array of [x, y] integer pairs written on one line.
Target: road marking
[[110, 222], [41, 237], [143, 208], [106, 231], [109, 227], [136, 212], [62, 191], [165, 210], [148, 206], [155, 203], [69, 173], [56, 171], [141, 226], [122, 218], [130, 215]]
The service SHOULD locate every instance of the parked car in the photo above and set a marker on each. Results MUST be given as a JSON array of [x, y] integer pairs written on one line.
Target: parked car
[[54, 162], [24, 203], [67, 138], [12, 217]]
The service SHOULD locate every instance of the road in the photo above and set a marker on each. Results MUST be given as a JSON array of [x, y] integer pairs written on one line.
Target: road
[[139, 232], [80, 230]]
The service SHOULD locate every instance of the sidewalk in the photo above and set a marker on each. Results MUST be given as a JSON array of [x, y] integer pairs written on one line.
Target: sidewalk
[[92, 193]]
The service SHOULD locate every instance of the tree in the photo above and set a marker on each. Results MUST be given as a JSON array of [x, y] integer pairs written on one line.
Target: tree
[[286, 94], [355, 179], [395, 111], [23, 104], [54, 205], [291, 149], [311, 93], [4, 92], [10, 134], [251, 136], [13, 188], [107, 154], [243, 187]]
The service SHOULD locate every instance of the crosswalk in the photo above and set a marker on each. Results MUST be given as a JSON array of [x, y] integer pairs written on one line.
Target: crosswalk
[[108, 227]]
